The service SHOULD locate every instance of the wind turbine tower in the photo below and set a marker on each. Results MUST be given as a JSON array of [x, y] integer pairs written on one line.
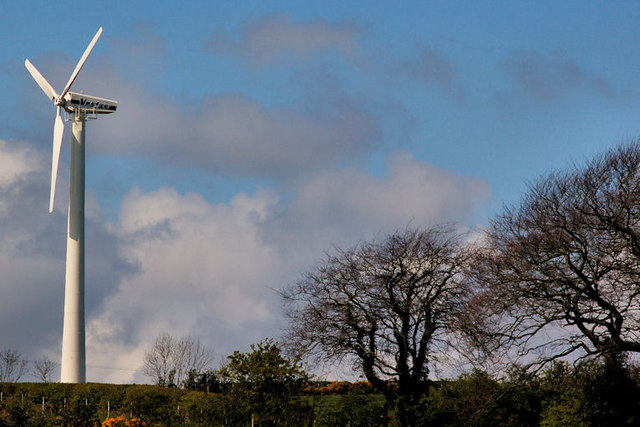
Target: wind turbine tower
[[79, 108]]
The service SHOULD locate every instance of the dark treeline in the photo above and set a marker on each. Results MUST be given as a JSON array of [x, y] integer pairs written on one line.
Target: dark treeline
[[596, 392]]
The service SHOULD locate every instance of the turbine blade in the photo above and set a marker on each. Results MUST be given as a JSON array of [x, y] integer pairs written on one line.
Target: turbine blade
[[84, 57], [42, 82], [58, 132]]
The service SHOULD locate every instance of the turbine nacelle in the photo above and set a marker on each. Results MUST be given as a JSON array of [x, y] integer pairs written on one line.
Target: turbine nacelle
[[89, 104]]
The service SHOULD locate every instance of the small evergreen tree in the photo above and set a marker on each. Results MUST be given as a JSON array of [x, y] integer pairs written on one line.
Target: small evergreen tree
[[264, 382]]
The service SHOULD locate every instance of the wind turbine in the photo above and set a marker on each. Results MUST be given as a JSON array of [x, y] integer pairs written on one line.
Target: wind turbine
[[79, 107]]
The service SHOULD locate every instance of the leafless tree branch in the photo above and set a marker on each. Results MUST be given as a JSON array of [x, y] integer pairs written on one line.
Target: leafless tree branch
[[169, 360], [560, 272]]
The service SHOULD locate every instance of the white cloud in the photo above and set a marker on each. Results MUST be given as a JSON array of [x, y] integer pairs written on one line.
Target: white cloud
[[211, 270], [27, 250], [412, 193], [203, 271], [17, 160]]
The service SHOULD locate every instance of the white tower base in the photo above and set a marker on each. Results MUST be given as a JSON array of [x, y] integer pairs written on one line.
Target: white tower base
[[73, 367]]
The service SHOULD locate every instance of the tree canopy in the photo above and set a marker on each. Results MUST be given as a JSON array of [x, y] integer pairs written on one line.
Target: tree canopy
[[390, 306], [264, 381], [559, 273]]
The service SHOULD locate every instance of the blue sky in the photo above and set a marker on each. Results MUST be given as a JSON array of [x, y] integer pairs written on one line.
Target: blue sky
[[251, 137]]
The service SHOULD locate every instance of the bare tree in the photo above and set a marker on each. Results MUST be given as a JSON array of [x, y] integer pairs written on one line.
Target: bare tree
[[192, 356], [390, 306], [158, 361], [12, 366], [169, 360], [43, 367], [560, 272]]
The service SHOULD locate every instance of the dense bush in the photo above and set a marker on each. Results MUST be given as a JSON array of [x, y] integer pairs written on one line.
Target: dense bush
[[591, 393]]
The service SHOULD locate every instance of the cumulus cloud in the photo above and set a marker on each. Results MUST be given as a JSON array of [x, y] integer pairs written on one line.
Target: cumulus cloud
[[274, 38], [28, 251], [341, 207], [17, 162], [203, 270], [411, 190], [212, 270]]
